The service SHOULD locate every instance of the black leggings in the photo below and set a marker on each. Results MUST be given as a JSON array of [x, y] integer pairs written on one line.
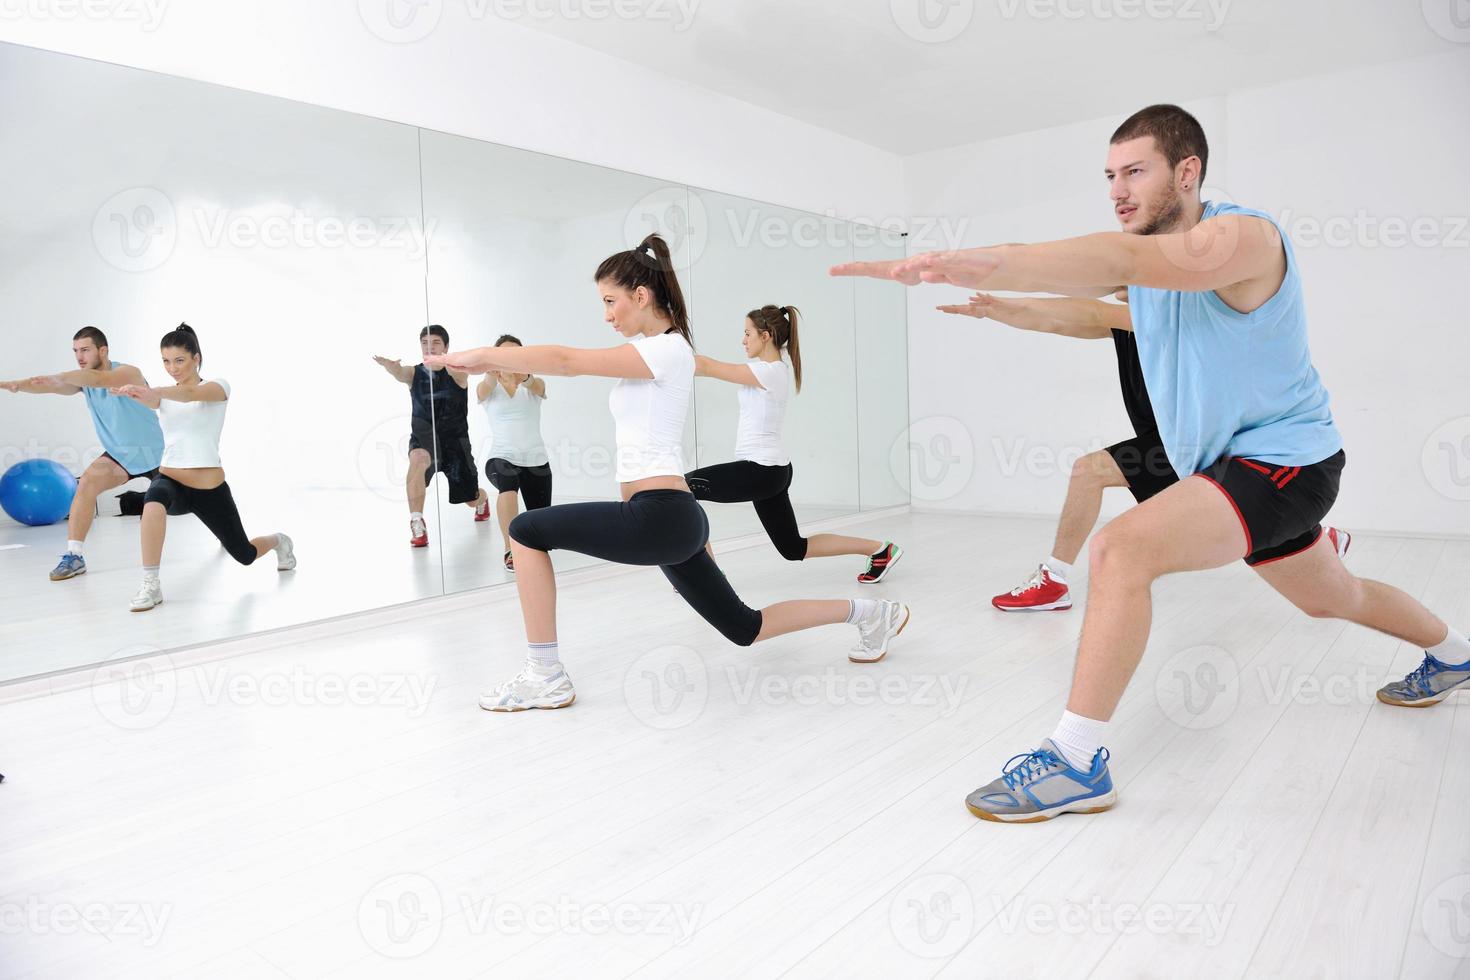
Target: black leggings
[[768, 487], [215, 509], [666, 528], [534, 482]]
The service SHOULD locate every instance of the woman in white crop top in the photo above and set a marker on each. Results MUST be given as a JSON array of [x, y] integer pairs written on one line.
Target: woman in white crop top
[[518, 458], [191, 479], [658, 521], [762, 471]]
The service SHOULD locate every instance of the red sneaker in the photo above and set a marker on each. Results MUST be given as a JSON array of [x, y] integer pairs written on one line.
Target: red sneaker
[[1038, 593], [1341, 540], [418, 533], [880, 564], [482, 510]]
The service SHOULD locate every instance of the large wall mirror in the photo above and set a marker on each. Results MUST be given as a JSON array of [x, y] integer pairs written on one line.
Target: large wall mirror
[[310, 250]]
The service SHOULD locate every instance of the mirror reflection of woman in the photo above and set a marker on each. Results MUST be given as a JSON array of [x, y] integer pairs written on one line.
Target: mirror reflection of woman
[[518, 461], [761, 472], [658, 521], [191, 478]]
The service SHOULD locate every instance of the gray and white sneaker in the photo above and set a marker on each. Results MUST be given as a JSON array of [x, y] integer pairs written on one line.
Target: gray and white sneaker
[[285, 553], [876, 632], [1041, 784], [150, 594], [526, 690], [1429, 683]]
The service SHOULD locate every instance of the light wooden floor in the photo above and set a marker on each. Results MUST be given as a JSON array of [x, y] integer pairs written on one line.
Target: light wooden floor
[[710, 811]]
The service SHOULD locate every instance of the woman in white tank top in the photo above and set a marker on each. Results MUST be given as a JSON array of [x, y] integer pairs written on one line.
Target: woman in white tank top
[[762, 471], [191, 478], [518, 459], [657, 521]]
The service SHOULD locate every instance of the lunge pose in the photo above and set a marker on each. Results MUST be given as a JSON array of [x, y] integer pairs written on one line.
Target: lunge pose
[[761, 472], [512, 402], [191, 478], [131, 440], [1216, 303], [658, 521]]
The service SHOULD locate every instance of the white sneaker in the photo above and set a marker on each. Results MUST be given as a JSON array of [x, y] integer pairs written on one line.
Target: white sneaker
[[876, 633], [150, 594], [285, 553], [526, 690]]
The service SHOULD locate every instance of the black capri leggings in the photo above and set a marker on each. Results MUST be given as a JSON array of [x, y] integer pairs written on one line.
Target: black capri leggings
[[215, 509], [534, 482], [768, 487], [666, 528]]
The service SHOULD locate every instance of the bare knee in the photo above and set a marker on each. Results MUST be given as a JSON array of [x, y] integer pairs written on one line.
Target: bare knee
[[1119, 556], [418, 459], [1093, 469], [1340, 601]]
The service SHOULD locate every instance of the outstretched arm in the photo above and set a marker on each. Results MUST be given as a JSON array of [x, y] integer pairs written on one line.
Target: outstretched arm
[[47, 384], [622, 361], [740, 374], [396, 368], [1087, 319]]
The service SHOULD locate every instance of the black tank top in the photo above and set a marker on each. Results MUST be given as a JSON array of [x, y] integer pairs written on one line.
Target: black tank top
[[1130, 377], [439, 397]]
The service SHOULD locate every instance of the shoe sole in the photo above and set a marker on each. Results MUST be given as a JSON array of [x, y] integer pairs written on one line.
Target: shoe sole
[[907, 613], [531, 707], [63, 578], [412, 544], [886, 569], [1112, 801], [145, 608], [1424, 703], [1047, 607]]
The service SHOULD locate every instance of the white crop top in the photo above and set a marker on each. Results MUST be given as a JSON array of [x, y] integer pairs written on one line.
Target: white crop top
[[515, 425], [761, 412], [191, 430], [648, 415]]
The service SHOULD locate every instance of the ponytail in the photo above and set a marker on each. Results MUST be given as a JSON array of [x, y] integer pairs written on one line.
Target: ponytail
[[781, 323], [183, 337], [650, 265]]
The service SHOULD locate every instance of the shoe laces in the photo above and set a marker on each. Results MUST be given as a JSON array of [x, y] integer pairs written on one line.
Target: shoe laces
[[1422, 673], [1036, 581], [875, 559], [1023, 768]]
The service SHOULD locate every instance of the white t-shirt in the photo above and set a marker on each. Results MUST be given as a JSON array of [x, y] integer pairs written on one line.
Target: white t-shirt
[[761, 412], [191, 430], [515, 425], [648, 415]]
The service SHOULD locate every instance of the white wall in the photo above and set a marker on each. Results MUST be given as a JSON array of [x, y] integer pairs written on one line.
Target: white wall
[[487, 78], [1349, 161]]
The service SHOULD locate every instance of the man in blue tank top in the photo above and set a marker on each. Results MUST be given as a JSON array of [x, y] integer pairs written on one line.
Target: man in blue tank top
[[1215, 302], [131, 439]]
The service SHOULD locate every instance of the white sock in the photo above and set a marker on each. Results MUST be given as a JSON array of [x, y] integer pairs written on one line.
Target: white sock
[[1060, 570], [74, 547], [861, 611], [1079, 739], [543, 659], [150, 573], [1455, 649], [417, 515]]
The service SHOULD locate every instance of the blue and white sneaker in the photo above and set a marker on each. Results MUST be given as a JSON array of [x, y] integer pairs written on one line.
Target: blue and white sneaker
[[1429, 683], [1040, 785], [70, 567]]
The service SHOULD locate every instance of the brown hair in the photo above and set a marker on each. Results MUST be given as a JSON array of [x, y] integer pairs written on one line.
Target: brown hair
[[650, 265], [780, 323], [1176, 133], [97, 337]]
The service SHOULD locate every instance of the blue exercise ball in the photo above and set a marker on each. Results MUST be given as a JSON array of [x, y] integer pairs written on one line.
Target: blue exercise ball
[[37, 491]]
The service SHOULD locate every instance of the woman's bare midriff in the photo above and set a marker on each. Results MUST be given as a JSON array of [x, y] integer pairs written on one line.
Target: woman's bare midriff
[[205, 478], [654, 483]]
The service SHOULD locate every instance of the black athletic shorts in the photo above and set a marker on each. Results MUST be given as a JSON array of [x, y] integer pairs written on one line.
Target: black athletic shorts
[[1280, 507], [1145, 465], [150, 474], [455, 459], [215, 508], [533, 482]]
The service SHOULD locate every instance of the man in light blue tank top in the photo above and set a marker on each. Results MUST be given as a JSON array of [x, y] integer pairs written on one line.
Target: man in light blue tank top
[[1215, 302], [131, 439]]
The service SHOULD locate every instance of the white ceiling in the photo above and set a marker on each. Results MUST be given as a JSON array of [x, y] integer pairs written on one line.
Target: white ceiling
[[1012, 66]]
